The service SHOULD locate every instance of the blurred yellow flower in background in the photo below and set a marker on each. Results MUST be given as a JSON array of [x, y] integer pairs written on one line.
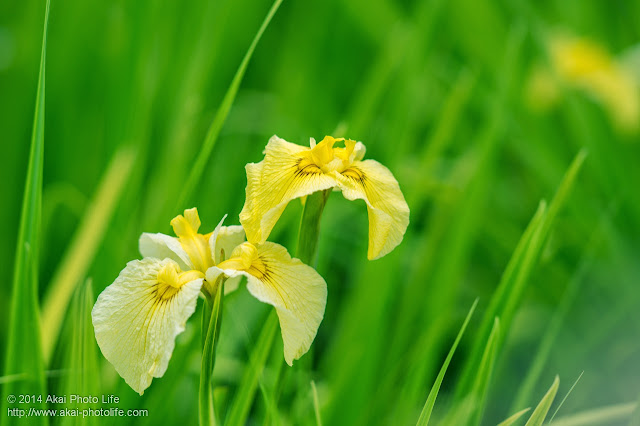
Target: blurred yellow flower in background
[[291, 171], [585, 65]]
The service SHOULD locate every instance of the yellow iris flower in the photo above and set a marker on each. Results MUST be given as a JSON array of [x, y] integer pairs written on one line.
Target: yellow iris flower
[[583, 64], [291, 171], [590, 67], [137, 318]]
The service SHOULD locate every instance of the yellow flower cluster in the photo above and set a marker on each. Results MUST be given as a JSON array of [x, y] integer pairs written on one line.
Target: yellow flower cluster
[[137, 318]]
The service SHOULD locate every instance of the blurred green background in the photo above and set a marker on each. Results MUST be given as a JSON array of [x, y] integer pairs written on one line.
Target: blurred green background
[[442, 94]]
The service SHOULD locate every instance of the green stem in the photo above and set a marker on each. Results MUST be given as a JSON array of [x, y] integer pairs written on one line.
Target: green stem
[[211, 320], [308, 237], [310, 226]]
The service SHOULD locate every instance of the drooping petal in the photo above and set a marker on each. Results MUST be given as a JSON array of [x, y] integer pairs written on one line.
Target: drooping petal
[[296, 290], [388, 211], [161, 246], [286, 173], [137, 318]]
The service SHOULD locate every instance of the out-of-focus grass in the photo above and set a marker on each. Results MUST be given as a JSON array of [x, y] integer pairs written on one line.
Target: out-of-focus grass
[[79, 357], [437, 92], [82, 248]]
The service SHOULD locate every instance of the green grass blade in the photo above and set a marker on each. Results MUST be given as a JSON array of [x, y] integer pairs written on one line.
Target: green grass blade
[[598, 416], [24, 353], [512, 419], [560, 198], [469, 409], [81, 361], [547, 342], [221, 115], [246, 391], [272, 416], [565, 397], [540, 413], [498, 299], [316, 403], [425, 415], [83, 247], [12, 378], [483, 378]]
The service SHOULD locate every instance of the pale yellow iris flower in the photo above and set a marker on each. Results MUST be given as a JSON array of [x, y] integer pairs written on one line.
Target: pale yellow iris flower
[[291, 171], [137, 318]]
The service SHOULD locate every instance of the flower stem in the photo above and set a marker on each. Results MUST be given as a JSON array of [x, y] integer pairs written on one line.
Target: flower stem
[[308, 237], [211, 320], [310, 227]]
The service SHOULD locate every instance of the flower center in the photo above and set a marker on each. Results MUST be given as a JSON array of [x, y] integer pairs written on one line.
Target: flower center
[[245, 258], [330, 159], [196, 245], [170, 280]]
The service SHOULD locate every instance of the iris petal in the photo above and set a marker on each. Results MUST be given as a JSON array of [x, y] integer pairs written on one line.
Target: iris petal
[[296, 290], [136, 327], [161, 246], [388, 211], [286, 173]]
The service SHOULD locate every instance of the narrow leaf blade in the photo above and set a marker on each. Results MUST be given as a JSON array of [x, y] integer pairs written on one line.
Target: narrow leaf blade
[[81, 358], [485, 372], [246, 391], [512, 419], [433, 394], [221, 116], [24, 354], [540, 413]]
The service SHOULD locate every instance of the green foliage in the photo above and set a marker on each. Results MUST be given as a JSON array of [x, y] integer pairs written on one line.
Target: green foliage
[[514, 418], [540, 413], [156, 106], [509, 292], [239, 409], [83, 247], [201, 161], [24, 355], [613, 414], [478, 395], [81, 368], [425, 415]]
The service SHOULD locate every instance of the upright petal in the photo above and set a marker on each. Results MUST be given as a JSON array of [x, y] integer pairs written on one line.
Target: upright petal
[[193, 243], [137, 318], [286, 173], [226, 239], [161, 246], [388, 211], [296, 290], [223, 240]]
